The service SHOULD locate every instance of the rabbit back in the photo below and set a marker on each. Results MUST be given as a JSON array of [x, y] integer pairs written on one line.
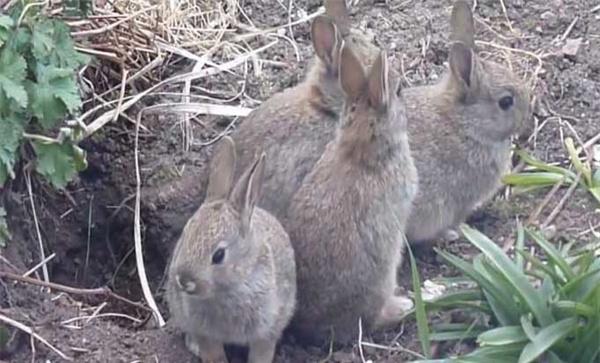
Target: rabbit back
[[293, 130]]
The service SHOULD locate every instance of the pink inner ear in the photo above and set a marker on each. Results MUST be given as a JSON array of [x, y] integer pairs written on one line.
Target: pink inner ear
[[461, 62], [324, 39], [378, 82], [352, 75]]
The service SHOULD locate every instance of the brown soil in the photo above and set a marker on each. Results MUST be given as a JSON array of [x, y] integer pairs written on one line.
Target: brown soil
[[89, 226]]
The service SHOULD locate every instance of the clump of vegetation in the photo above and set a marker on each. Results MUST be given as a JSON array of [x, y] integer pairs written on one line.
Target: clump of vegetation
[[38, 90], [525, 309], [541, 174]]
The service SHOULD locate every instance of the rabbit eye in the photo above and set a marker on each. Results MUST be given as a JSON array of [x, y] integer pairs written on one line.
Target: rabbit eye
[[506, 102], [218, 256]]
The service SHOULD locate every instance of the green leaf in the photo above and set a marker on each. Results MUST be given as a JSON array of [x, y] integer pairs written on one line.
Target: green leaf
[[500, 302], [502, 336], [518, 280], [528, 327], [539, 267], [546, 338], [574, 308], [6, 23], [584, 169], [520, 247], [58, 162], [454, 335], [53, 95], [42, 42], [52, 45], [12, 74], [420, 312], [4, 232], [530, 160], [540, 178], [504, 353], [553, 254], [11, 133], [506, 309], [580, 287]]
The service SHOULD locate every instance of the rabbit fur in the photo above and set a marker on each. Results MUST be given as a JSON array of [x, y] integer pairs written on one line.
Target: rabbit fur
[[294, 126], [347, 218], [460, 132], [232, 277]]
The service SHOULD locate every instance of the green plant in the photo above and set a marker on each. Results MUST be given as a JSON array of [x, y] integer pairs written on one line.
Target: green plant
[[545, 310], [38, 64], [4, 233], [543, 175]]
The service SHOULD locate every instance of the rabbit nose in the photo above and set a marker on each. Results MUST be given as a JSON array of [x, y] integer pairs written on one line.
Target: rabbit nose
[[185, 282]]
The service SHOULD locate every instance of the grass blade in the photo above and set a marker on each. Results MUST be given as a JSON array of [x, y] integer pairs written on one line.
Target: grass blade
[[553, 254], [501, 303], [520, 247], [454, 335], [530, 160], [546, 338], [537, 178], [420, 312], [574, 308], [519, 281], [503, 336], [578, 288]]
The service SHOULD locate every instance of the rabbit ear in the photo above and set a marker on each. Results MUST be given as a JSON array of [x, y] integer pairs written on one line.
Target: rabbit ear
[[379, 82], [338, 11], [247, 192], [222, 168], [462, 28], [325, 40], [352, 74], [462, 64]]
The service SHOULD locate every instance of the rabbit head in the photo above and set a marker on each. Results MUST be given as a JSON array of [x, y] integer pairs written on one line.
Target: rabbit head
[[328, 33], [495, 100], [217, 249], [372, 110]]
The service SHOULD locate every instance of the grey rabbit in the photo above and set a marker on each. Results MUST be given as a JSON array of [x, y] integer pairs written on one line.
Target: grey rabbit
[[294, 126], [460, 133], [232, 278], [346, 221]]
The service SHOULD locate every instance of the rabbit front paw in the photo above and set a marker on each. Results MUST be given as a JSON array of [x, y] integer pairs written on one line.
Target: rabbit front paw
[[394, 310], [208, 350]]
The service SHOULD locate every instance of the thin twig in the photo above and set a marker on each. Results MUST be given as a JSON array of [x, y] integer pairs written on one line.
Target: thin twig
[[561, 203], [42, 263], [137, 234], [569, 29], [105, 291], [534, 216], [37, 226], [33, 334], [360, 336]]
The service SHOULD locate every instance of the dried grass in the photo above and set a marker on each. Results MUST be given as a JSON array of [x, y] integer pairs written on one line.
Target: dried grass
[[140, 45]]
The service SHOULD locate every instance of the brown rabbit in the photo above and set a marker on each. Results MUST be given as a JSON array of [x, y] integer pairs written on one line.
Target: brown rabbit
[[294, 126], [232, 278], [460, 131], [348, 217]]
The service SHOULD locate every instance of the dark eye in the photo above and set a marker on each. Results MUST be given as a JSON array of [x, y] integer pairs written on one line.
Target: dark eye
[[506, 102], [218, 256]]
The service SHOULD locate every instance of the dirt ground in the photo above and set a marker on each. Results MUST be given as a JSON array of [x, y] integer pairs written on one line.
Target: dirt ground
[[89, 226]]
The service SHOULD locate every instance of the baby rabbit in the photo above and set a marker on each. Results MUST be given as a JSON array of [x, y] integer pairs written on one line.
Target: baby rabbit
[[294, 126], [460, 132], [232, 278], [347, 218]]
